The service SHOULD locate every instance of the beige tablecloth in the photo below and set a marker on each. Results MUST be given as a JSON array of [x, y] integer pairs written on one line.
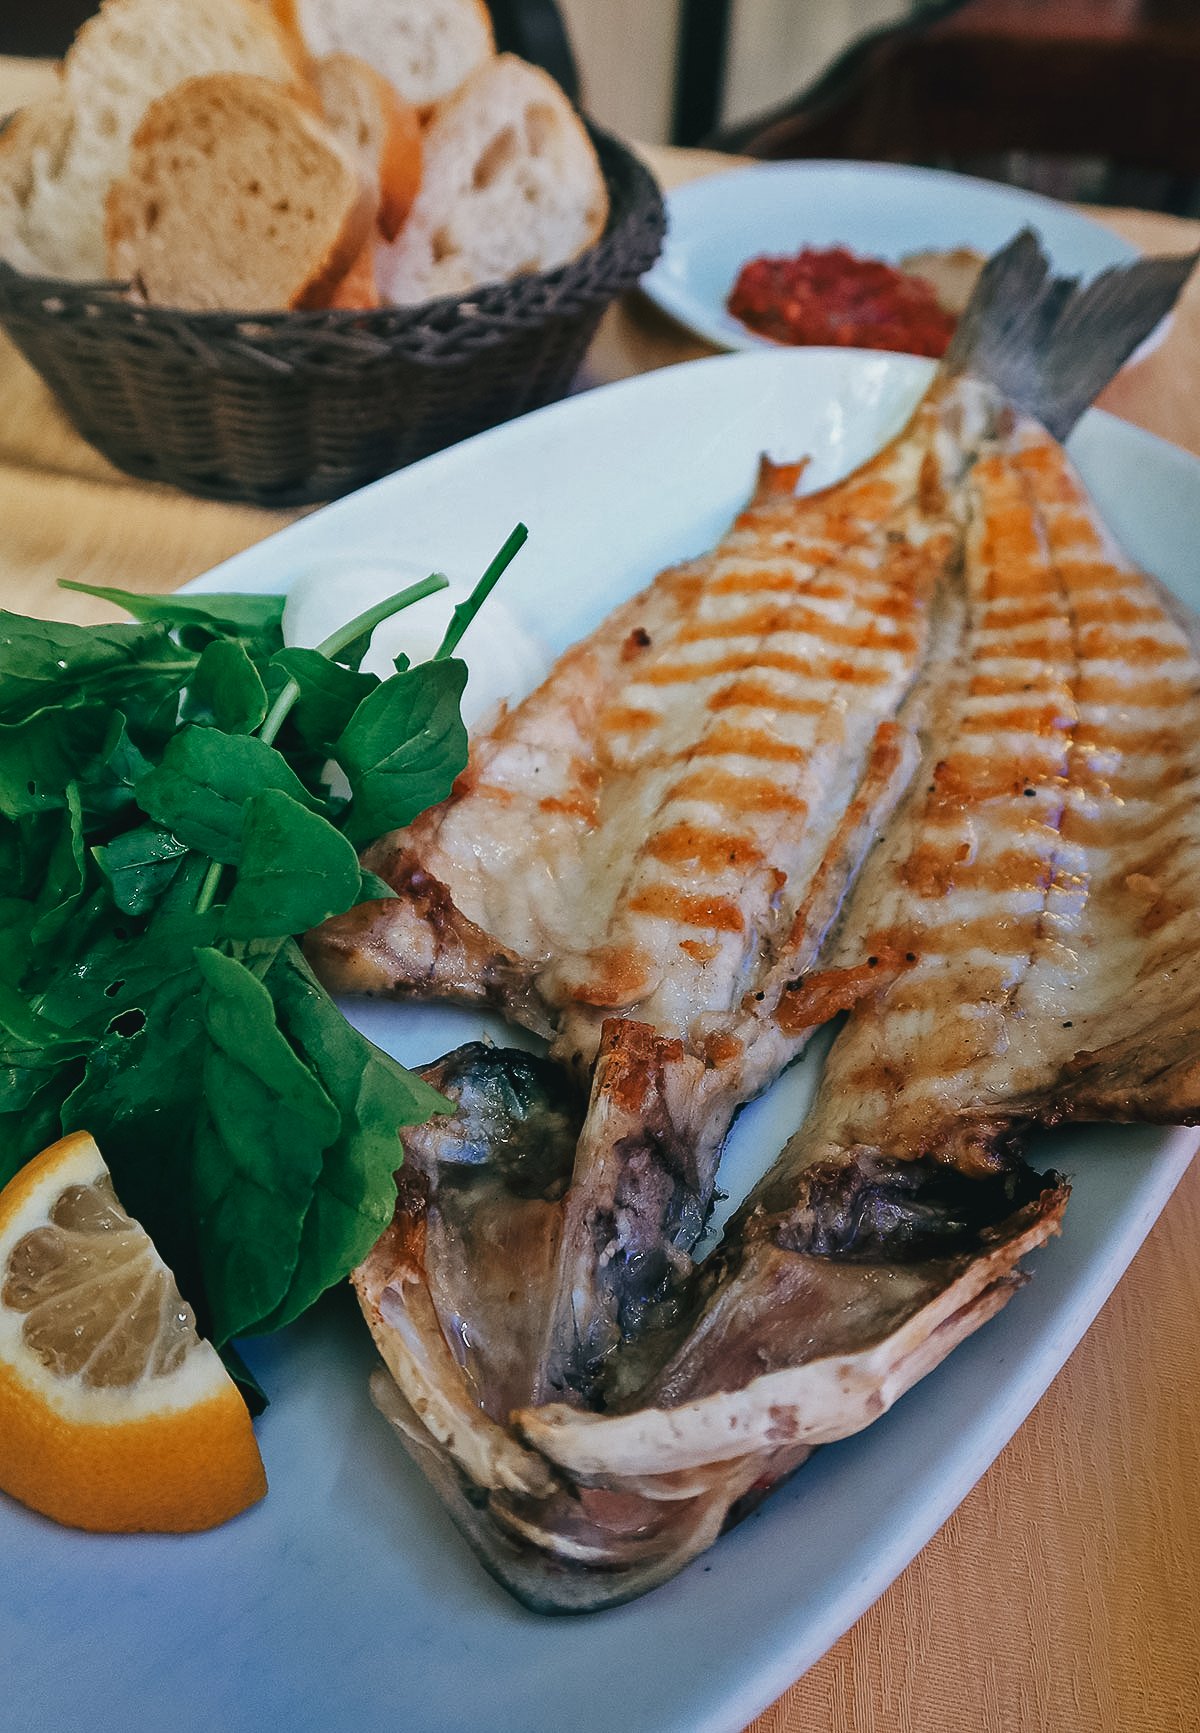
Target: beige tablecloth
[[1063, 1595]]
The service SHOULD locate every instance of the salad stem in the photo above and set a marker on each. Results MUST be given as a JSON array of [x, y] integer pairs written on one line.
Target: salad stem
[[345, 635], [208, 888], [466, 611], [362, 625], [336, 642]]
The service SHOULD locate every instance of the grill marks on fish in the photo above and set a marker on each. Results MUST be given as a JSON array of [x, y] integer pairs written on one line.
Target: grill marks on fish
[[972, 882], [1133, 812], [660, 858], [636, 835], [1021, 908], [761, 784], [666, 831], [1049, 898], [734, 882]]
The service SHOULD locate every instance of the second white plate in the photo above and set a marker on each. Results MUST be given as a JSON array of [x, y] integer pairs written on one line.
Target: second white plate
[[879, 209]]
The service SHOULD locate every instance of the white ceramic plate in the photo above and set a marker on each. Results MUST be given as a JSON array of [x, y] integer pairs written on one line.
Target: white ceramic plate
[[347, 1601], [879, 209]]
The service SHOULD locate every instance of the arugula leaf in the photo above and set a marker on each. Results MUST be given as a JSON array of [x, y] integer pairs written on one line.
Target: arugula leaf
[[36, 1072], [29, 1041], [108, 781], [121, 969], [41, 755], [45, 665], [329, 694], [139, 865], [63, 884], [139, 1092], [296, 870], [17, 915], [225, 691], [355, 1193], [25, 845], [200, 787], [26, 1129], [224, 615], [403, 748], [264, 1126], [47, 662]]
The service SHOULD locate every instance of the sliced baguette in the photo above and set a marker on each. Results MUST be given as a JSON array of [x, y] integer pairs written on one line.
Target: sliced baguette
[[375, 124], [238, 197], [129, 53], [511, 184], [37, 218], [425, 48]]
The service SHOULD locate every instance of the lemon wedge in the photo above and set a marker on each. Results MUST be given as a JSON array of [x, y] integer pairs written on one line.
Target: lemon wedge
[[114, 1414]]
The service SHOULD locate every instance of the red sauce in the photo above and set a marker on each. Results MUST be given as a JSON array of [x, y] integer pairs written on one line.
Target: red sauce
[[830, 296]]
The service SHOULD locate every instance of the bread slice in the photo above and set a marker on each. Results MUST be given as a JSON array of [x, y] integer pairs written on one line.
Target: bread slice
[[511, 184], [425, 48], [238, 197], [131, 52], [37, 219], [375, 124]]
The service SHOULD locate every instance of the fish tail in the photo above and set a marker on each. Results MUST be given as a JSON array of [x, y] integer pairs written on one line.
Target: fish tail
[[1050, 346]]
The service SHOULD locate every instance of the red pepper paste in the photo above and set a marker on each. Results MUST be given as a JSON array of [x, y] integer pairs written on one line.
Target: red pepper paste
[[828, 295]]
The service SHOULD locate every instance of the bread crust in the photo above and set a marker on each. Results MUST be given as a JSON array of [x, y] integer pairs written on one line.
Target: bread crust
[[260, 18], [496, 199], [397, 167], [126, 204], [343, 32], [358, 289]]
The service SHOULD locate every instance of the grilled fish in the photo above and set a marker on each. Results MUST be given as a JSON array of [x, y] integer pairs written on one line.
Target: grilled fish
[[643, 855], [658, 861]]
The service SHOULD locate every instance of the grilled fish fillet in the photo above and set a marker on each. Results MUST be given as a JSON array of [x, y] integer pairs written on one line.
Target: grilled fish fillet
[[658, 860], [644, 855], [638, 836]]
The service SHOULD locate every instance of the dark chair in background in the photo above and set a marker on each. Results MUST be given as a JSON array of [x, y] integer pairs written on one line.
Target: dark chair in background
[[1086, 99], [533, 29]]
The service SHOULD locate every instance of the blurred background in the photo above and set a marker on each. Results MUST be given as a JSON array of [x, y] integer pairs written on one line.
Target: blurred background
[[1092, 100]]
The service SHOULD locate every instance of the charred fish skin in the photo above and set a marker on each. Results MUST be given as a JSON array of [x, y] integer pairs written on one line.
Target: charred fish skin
[[813, 1323], [897, 1220]]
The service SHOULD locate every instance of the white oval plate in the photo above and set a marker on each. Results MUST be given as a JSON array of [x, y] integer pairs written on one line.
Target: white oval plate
[[346, 1600], [879, 209]]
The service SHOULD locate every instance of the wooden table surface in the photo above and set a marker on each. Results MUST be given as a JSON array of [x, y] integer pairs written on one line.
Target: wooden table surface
[[1063, 1594]]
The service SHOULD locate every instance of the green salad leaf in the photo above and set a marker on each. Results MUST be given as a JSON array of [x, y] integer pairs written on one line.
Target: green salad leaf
[[42, 755], [200, 787], [225, 690], [170, 821], [233, 615], [403, 747], [328, 694], [139, 864], [295, 870], [264, 1126], [46, 662], [354, 1193]]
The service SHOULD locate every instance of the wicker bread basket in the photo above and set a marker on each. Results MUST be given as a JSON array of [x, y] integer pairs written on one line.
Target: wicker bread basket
[[283, 409]]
